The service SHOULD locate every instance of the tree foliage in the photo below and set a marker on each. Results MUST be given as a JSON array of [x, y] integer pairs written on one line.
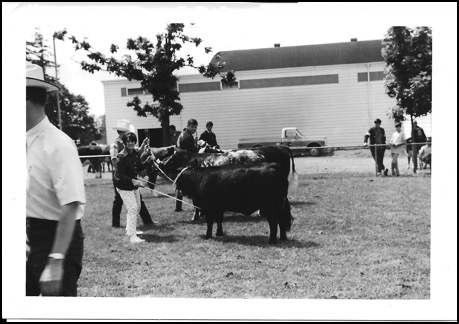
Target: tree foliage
[[76, 120], [408, 56], [153, 64]]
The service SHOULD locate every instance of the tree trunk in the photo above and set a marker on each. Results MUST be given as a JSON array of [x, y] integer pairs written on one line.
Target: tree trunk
[[165, 122]]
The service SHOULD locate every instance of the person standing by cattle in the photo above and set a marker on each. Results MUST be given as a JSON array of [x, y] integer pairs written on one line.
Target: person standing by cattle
[[127, 185], [55, 197], [397, 142], [174, 135], [418, 136], [122, 127], [186, 142], [208, 136], [377, 135]]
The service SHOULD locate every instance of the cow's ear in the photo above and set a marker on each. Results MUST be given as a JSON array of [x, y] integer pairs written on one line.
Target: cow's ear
[[194, 163]]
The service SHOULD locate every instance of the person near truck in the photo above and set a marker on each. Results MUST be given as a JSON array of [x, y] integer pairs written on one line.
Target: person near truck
[[377, 135]]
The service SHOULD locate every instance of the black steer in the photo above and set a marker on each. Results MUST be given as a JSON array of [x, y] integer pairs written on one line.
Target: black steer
[[242, 189]]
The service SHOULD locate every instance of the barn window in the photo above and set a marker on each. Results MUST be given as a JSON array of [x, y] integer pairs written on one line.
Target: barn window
[[374, 76], [232, 87], [289, 81], [198, 87], [135, 92]]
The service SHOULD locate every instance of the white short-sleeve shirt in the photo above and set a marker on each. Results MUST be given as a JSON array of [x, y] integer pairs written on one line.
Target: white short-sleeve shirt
[[54, 173]]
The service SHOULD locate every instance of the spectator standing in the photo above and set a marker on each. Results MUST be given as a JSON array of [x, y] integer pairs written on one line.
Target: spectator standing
[[122, 127], [55, 198], [208, 136], [377, 135], [425, 154], [397, 142], [174, 135], [186, 142], [418, 136]]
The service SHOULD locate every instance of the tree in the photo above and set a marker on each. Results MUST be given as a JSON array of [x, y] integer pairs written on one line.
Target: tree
[[76, 120], [408, 56], [154, 66]]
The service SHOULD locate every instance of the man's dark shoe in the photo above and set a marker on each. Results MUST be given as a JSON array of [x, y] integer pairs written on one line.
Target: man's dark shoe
[[386, 172]]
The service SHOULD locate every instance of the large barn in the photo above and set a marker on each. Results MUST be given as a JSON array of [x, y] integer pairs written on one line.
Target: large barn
[[330, 90]]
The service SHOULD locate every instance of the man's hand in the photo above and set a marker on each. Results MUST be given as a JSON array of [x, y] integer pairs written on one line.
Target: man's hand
[[146, 141], [365, 144], [51, 278]]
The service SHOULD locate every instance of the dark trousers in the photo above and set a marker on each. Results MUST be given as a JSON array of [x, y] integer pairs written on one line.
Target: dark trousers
[[40, 235], [380, 156], [118, 205], [416, 148]]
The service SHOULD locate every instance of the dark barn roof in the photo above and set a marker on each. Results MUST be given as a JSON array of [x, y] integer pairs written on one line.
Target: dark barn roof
[[298, 56]]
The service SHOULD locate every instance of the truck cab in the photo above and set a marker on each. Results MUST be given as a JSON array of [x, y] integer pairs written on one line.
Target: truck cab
[[291, 137]]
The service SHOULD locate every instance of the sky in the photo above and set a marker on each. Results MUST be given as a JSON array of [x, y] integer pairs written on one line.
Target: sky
[[225, 26], [222, 27]]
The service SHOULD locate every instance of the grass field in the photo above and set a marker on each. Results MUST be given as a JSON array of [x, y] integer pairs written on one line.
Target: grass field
[[355, 236]]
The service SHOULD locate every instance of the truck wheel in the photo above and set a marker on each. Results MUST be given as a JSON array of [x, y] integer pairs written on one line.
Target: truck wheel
[[314, 151]]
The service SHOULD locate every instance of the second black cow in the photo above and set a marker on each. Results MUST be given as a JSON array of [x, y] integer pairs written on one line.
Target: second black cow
[[242, 189]]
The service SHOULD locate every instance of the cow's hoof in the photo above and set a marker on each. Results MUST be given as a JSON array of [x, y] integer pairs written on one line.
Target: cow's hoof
[[207, 237], [219, 234], [272, 242], [283, 239], [178, 210]]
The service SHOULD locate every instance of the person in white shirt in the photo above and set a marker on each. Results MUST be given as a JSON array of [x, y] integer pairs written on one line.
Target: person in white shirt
[[397, 142], [425, 154], [55, 197]]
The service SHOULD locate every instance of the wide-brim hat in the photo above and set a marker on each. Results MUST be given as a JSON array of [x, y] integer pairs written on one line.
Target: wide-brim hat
[[36, 78], [123, 125]]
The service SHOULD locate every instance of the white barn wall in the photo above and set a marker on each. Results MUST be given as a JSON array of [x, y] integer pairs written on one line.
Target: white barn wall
[[342, 111]]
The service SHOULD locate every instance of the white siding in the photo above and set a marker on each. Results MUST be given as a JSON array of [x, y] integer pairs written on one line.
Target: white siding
[[342, 111]]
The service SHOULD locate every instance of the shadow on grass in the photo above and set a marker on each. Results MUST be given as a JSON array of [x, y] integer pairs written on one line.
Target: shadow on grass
[[152, 238], [262, 241]]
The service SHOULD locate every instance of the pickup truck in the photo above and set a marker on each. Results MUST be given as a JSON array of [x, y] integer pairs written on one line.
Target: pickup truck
[[291, 137]]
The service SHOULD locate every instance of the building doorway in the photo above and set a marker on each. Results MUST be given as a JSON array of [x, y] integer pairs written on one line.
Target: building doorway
[[155, 135]]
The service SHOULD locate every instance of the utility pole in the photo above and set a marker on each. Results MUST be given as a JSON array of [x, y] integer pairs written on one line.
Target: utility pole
[[57, 92]]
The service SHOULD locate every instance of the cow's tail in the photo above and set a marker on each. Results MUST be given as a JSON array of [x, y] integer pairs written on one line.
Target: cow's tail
[[293, 179]]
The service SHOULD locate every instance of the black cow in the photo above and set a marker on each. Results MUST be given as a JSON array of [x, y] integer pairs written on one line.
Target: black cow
[[278, 154], [242, 189], [95, 161]]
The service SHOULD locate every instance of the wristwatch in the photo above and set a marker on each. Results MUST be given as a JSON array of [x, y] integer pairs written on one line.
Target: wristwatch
[[57, 256]]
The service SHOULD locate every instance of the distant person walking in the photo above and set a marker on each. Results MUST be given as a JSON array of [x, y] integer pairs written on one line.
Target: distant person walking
[[55, 197], [397, 142], [377, 135], [418, 136]]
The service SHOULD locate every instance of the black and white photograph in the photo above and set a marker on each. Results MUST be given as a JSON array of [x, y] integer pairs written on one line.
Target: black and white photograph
[[229, 161]]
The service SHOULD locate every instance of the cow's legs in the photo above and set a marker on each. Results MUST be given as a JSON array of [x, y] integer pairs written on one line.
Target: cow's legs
[[210, 223], [272, 221], [219, 220]]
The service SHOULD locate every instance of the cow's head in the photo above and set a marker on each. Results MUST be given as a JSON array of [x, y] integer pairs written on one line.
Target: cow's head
[[175, 162]]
